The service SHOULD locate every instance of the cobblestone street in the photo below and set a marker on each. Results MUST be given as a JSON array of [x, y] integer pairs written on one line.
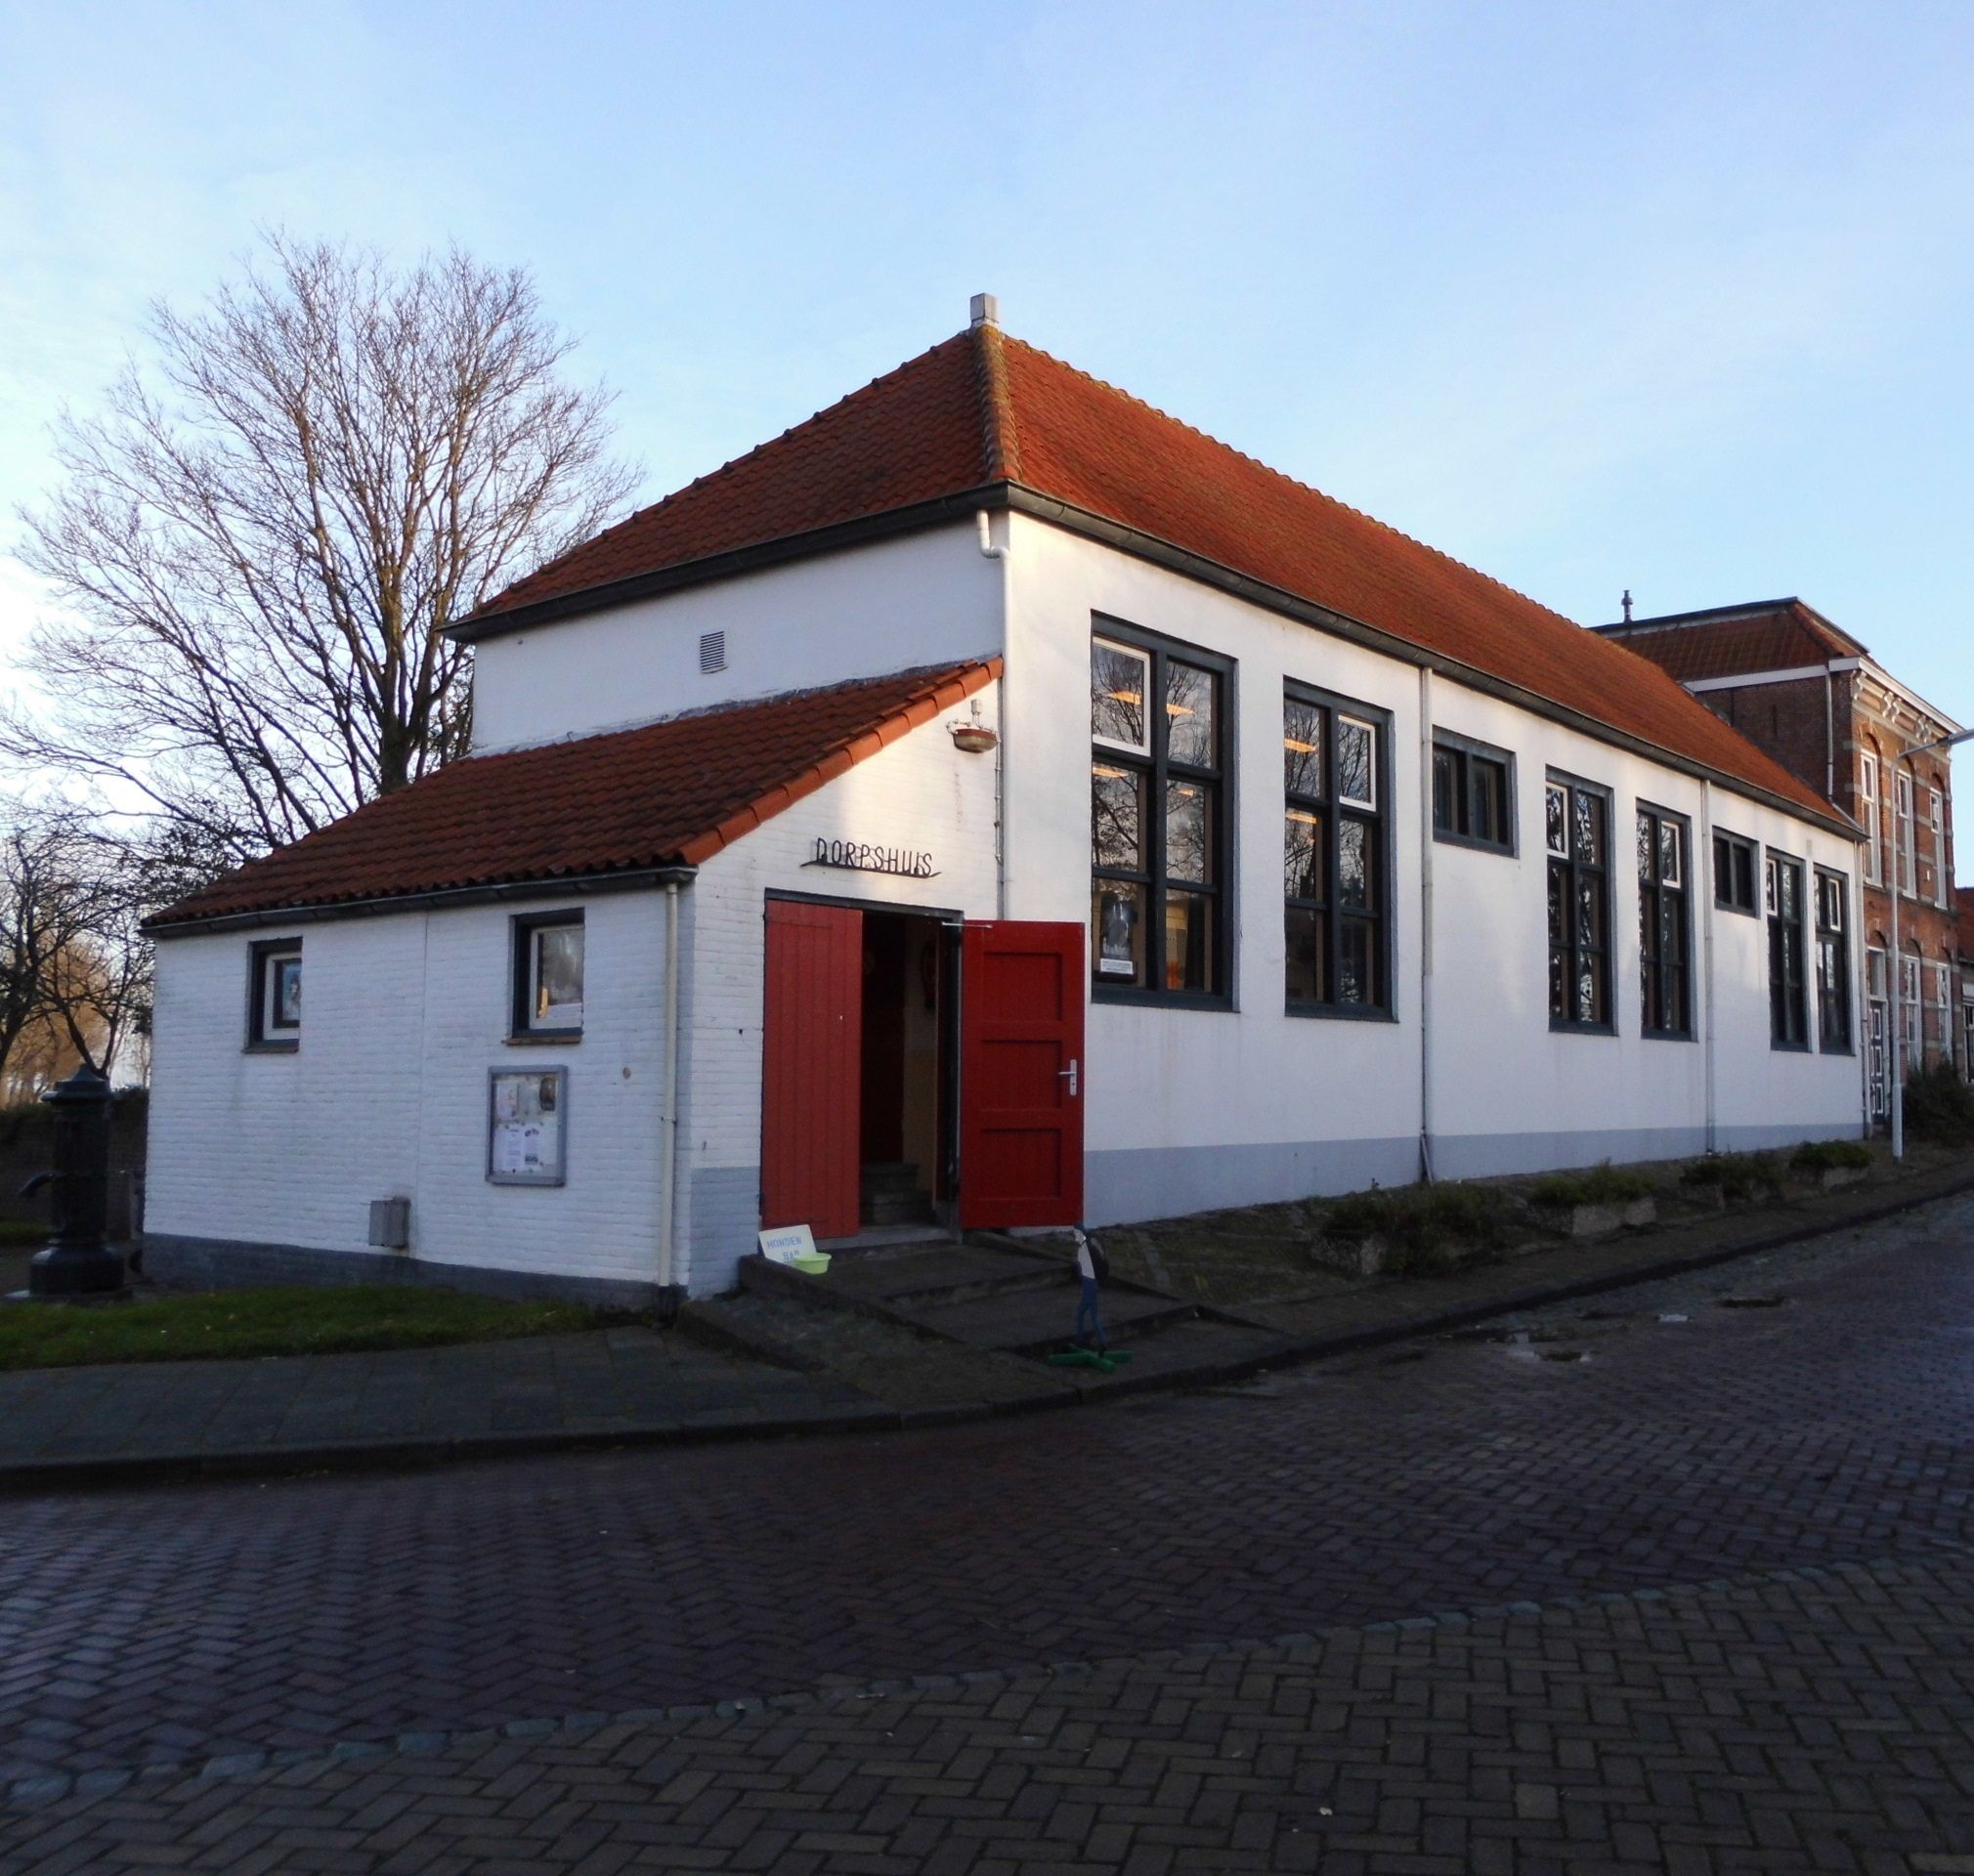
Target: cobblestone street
[[1675, 1580]]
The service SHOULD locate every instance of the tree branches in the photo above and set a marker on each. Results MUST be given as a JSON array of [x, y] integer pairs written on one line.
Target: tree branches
[[260, 551]]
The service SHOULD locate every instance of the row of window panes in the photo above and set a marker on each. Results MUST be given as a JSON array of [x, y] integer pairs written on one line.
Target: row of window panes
[[1156, 820]]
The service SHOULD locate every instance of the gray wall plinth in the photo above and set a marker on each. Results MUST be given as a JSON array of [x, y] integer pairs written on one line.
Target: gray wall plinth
[[175, 1262]]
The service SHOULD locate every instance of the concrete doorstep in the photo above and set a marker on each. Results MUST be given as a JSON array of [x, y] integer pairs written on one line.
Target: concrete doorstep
[[888, 1341]]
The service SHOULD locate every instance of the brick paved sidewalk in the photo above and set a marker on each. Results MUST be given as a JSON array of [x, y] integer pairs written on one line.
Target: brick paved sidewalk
[[1809, 1720], [826, 1372]]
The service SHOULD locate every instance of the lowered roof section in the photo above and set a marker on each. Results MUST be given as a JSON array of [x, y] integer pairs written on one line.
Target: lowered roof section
[[984, 420], [595, 809]]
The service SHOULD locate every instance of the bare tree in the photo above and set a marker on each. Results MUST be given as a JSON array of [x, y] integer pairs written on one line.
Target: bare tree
[[74, 965], [259, 557]]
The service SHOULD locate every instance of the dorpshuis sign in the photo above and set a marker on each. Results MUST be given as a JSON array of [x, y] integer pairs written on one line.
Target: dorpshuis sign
[[856, 855]]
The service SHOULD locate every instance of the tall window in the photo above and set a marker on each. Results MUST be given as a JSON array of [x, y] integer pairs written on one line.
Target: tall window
[[1834, 963], [1334, 886], [1472, 793], [1158, 885], [1877, 994], [1783, 893], [1867, 813], [1943, 1010], [1902, 830], [1663, 953], [1577, 825], [1909, 1008], [1943, 878], [1734, 871]]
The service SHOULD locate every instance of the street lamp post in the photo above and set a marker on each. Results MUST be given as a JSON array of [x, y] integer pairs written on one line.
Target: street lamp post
[[1904, 757]]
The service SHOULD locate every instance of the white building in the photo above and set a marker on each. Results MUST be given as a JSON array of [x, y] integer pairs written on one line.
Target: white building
[[820, 858]]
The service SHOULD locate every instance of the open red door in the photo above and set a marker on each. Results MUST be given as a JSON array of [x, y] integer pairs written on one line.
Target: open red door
[[811, 1055], [1021, 1071]]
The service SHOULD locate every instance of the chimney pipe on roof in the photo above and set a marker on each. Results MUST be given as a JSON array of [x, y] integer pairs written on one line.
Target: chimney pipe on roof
[[1627, 605], [985, 311]]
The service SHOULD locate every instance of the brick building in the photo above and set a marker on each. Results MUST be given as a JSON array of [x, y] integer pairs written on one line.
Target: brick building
[[1965, 897], [1816, 700]]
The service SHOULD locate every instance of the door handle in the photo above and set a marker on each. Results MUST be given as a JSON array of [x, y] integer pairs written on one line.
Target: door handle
[[1068, 1075]]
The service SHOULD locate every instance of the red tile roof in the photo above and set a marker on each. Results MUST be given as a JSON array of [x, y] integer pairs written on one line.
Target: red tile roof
[[669, 793], [1777, 635], [982, 412]]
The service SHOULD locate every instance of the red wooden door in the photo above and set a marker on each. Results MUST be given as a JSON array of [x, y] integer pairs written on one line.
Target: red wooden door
[[1021, 1074], [811, 1065]]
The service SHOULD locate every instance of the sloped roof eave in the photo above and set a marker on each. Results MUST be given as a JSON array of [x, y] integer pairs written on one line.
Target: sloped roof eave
[[417, 847]]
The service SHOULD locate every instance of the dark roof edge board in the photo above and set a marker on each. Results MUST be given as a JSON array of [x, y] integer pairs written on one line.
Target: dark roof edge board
[[551, 886], [754, 558], [1258, 592]]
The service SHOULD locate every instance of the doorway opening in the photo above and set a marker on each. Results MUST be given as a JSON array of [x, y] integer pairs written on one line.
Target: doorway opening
[[905, 1107], [897, 1044]]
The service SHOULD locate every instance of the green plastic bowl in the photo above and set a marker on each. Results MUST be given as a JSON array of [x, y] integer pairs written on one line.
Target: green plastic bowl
[[814, 1265]]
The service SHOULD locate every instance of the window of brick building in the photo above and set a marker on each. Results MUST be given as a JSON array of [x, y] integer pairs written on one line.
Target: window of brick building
[[1867, 814]]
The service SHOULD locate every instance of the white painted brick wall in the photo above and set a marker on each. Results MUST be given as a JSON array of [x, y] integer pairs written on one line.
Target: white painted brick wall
[[403, 1019]]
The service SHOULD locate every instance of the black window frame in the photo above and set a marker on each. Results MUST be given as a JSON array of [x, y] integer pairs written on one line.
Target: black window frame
[[1778, 866], [1652, 931], [1462, 753], [1335, 810], [522, 928], [1573, 870], [1833, 987], [1738, 844], [263, 1037], [1159, 770]]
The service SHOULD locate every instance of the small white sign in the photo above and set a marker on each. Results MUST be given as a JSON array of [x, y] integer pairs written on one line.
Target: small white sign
[[787, 1243]]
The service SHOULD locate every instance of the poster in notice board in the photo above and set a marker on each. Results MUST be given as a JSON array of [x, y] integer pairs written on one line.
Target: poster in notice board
[[527, 1122]]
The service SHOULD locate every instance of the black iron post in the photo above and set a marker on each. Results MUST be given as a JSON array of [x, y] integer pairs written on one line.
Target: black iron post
[[78, 1261]]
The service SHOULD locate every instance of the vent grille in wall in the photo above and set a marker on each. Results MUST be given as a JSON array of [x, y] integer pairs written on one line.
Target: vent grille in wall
[[712, 651]]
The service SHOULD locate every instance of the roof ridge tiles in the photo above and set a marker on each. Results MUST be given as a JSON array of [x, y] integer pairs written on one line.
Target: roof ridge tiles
[[1295, 482]]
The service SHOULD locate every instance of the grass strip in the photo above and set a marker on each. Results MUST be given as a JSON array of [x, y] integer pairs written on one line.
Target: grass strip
[[239, 1324]]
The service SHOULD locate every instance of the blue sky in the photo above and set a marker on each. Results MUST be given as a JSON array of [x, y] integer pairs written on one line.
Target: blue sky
[[1669, 297]]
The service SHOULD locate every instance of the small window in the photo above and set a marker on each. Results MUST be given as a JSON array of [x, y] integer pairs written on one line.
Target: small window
[[1789, 1013], [1120, 680], [1472, 793], [548, 976], [1733, 872], [1833, 967], [274, 994], [1576, 824], [1664, 947]]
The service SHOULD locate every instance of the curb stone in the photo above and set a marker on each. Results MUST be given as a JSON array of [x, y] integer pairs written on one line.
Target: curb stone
[[1287, 1352]]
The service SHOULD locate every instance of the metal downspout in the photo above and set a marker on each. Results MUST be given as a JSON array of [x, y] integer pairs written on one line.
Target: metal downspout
[[1426, 924], [668, 1145], [993, 551], [1705, 900]]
